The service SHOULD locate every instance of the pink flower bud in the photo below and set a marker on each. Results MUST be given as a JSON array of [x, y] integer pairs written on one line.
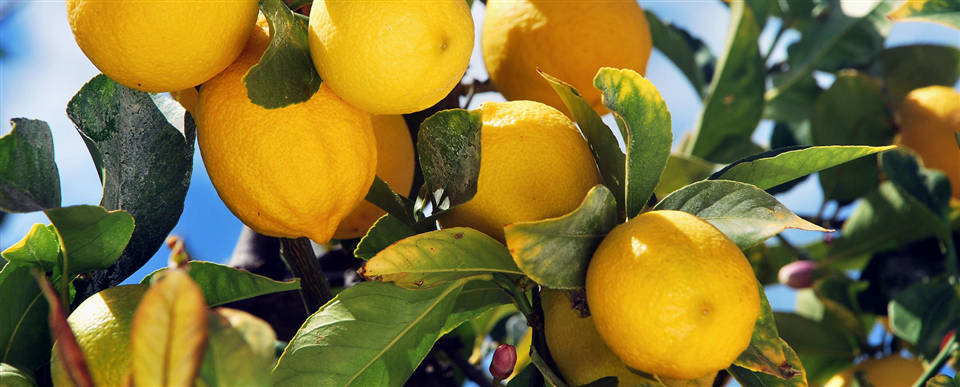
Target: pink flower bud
[[797, 275], [504, 359]]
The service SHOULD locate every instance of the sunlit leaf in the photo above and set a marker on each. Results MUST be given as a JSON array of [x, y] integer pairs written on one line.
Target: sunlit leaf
[[40, 247], [746, 214], [681, 171], [748, 378], [24, 332], [778, 166], [240, 350], [765, 353], [555, 252], [384, 232], [906, 68], [285, 74], [29, 179], [945, 12], [169, 333], [431, 259], [221, 284], [691, 55], [943, 381], [92, 237], [11, 376], [643, 116]]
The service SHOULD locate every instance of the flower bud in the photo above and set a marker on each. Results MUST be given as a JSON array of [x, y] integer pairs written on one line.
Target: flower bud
[[504, 359], [797, 275]]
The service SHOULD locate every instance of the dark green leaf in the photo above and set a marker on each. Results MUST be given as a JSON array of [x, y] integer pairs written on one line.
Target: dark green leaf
[[285, 74], [765, 353], [734, 104], [24, 332], [555, 252], [922, 185], [906, 68], [40, 247], [923, 313], [449, 147], [746, 214], [92, 238], [142, 146], [29, 179], [945, 12], [691, 55], [545, 370], [371, 334], [223, 284], [860, 45], [794, 104], [643, 116], [852, 112], [387, 230], [381, 195], [11, 376], [609, 381], [427, 260], [830, 339], [606, 151], [681, 171], [778, 166]]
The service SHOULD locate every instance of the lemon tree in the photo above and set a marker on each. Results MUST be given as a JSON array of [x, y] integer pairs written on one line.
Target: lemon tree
[[445, 232]]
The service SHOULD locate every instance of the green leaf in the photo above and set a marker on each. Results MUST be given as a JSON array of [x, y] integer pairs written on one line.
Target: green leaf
[[945, 12], [40, 247], [643, 116], [606, 150], [240, 350], [555, 252], [11, 376], [285, 74], [860, 45], [223, 284], [831, 340], [765, 353], [819, 38], [24, 332], [29, 179], [852, 112], [923, 313], [142, 146], [794, 104], [904, 171], [92, 238], [691, 55], [681, 171], [427, 260], [748, 378], [476, 298], [449, 147], [371, 334], [381, 195], [778, 166], [942, 381], [384, 232], [746, 214], [734, 104], [906, 68]]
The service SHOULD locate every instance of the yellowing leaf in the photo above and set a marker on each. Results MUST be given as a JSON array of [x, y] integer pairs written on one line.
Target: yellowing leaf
[[765, 353], [946, 12]]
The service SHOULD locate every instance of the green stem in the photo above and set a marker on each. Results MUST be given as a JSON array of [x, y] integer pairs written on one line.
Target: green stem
[[938, 362], [314, 287], [518, 295], [65, 283]]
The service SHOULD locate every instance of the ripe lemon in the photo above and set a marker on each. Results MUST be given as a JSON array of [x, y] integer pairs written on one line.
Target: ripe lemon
[[391, 57], [570, 40], [890, 371], [395, 165], [158, 46], [101, 325], [672, 296], [928, 118], [289, 172], [188, 99], [534, 165]]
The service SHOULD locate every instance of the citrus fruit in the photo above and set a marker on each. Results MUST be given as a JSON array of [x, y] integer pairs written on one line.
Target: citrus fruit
[[889, 371], [101, 325], [188, 99], [391, 57], [534, 165], [395, 165], [288, 172], [672, 296], [928, 118], [570, 40], [158, 46]]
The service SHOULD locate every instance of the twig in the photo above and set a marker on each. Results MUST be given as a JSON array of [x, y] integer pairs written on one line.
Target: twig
[[303, 263], [776, 40], [800, 254], [451, 347], [939, 361]]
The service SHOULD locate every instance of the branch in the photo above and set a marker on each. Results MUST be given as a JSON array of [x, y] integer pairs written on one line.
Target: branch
[[314, 287]]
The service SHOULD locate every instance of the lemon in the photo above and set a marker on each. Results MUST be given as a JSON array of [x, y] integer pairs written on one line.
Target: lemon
[[395, 165], [570, 40], [890, 371], [159, 46], [188, 99], [928, 119], [672, 296], [101, 325], [391, 57], [288, 172], [534, 165]]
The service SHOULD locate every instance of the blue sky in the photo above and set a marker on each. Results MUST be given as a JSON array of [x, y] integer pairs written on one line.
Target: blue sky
[[44, 68]]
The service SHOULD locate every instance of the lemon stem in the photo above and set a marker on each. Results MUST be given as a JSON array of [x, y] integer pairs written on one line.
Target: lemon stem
[[519, 297], [938, 362], [314, 287]]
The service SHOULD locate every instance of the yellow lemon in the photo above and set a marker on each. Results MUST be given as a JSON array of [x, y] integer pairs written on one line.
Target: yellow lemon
[[672, 296], [159, 46], [101, 325], [534, 165], [928, 119], [288, 172], [188, 99], [570, 40], [391, 57], [395, 165], [890, 371]]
